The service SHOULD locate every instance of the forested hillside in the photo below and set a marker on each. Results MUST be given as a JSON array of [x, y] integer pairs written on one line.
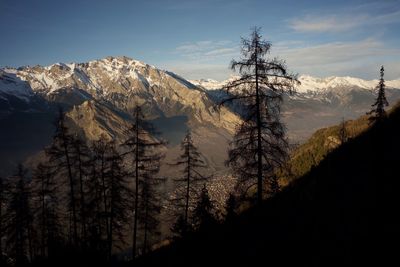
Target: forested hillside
[[323, 141], [342, 213]]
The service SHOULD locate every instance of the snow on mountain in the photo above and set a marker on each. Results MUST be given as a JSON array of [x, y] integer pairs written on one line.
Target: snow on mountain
[[208, 84], [312, 84], [11, 85], [122, 82], [88, 76], [100, 95]]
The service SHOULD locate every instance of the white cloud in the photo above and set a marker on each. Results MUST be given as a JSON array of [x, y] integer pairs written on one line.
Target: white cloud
[[340, 58], [221, 52], [210, 59], [207, 50], [325, 24], [342, 22], [203, 59]]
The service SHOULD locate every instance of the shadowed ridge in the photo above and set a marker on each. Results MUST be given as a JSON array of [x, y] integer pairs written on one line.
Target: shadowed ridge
[[342, 213]]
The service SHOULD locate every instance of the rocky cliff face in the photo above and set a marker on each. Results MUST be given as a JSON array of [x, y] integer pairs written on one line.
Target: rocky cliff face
[[99, 97]]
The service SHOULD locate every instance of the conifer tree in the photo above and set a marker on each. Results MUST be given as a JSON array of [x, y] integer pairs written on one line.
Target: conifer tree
[[46, 210], [204, 212], [80, 155], [180, 228], [378, 108], [259, 147], [343, 135], [59, 154], [187, 186], [18, 226], [97, 220], [149, 208], [118, 198], [2, 204], [230, 207], [142, 153]]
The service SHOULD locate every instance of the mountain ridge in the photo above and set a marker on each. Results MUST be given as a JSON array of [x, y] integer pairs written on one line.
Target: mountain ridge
[[113, 86], [173, 103], [311, 83]]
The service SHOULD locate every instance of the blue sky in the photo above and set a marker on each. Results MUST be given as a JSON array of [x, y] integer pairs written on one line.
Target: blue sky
[[198, 39]]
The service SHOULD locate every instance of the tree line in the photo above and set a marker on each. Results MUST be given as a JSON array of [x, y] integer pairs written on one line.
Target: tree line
[[85, 198]]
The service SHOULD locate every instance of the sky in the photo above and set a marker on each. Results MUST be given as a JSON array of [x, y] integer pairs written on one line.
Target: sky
[[198, 39]]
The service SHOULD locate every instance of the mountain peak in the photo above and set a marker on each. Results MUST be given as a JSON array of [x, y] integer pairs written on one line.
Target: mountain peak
[[124, 60]]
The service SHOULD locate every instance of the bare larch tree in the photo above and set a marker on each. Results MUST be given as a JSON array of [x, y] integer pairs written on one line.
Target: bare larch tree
[[2, 203], [141, 150], [80, 156], [118, 199], [187, 186], [59, 154], [19, 218], [45, 209], [259, 146]]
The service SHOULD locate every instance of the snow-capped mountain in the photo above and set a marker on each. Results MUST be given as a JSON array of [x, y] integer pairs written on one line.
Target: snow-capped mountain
[[121, 81], [319, 102], [311, 84], [100, 95], [209, 84], [11, 85]]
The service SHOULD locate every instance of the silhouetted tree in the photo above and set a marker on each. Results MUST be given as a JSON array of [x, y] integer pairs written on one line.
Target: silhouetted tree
[[141, 151], [80, 156], [180, 228], [187, 186], [18, 215], [97, 217], [59, 154], [118, 198], [204, 212], [46, 205], [259, 146], [343, 134], [149, 206], [231, 206], [378, 108], [2, 204]]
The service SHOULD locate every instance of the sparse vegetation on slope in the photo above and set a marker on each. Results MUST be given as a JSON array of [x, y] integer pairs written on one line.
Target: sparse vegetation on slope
[[341, 213]]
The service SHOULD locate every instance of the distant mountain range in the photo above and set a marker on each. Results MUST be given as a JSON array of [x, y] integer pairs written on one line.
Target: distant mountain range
[[311, 84], [99, 97], [320, 102], [343, 212]]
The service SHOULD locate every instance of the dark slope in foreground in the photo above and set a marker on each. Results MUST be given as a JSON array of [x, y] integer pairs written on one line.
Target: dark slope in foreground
[[342, 213]]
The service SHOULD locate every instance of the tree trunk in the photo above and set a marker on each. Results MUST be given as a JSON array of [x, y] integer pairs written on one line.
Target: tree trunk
[[43, 221], [145, 233], [136, 188], [1, 215], [187, 192], [71, 184], [259, 145], [83, 218], [104, 193], [110, 230]]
